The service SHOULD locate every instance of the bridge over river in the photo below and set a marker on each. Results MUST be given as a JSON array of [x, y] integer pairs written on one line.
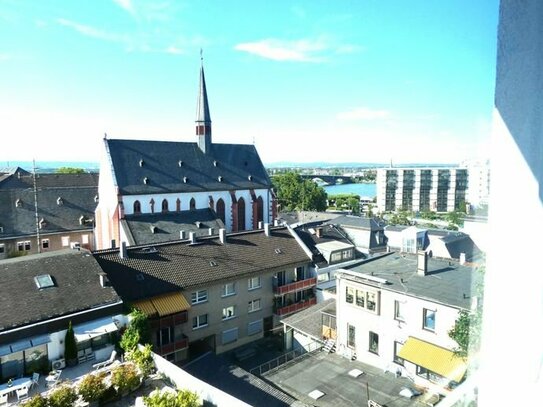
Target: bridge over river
[[329, 179]]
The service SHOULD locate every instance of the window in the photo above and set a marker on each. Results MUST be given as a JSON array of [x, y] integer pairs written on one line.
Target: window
[[429, 319], [374, 343], [192, 204], [164, 205], [229, 336], [23, 246], [2, 248], [65, 241], [137, 207], [229, 312], [178, 205], [165, 336], [199, 296], [429, 375], [349, 295], [259, 209], [254, 327], [199, 322], [254, 283], [45, 243], [241, 214], [372, 302], [351, 336], [220, 210], [335, 257], [360, 298], [254, 305], [85, 239], [398, 314], [228, 289], [397, 348], [347, 254]]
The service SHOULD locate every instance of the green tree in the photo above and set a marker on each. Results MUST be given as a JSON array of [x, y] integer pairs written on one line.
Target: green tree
[[400, 218], [70, 170], [63, 396], [70, 347], [183, 398], [295, 193], [139, 321]]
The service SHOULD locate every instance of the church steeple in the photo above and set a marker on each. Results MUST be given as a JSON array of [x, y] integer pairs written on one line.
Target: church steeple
[[203, 118]]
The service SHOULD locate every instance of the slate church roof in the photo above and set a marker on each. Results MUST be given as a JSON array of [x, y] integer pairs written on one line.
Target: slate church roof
[[150, 167]]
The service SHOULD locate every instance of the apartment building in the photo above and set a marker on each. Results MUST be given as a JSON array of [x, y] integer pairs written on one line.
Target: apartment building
[[214, 292], [422, 189], [395, 312]]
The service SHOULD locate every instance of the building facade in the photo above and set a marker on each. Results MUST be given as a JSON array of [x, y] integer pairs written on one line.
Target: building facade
[[158, 177], [422, 189]]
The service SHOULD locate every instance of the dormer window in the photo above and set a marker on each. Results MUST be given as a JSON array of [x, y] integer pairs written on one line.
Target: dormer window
[[180, 163], [219, 178], [18, 203], [141, 162], [44, 281], [250, 177], [215, 163], [60, 201], [153, 229], [185, 179], [145, 180], [42, 223], [96, 198], [81, 219]]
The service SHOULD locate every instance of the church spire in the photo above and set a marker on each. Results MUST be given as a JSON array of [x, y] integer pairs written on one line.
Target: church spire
[[203, 118]]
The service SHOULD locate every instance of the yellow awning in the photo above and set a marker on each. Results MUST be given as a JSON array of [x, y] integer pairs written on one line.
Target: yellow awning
[[434, 358], [163, 305]]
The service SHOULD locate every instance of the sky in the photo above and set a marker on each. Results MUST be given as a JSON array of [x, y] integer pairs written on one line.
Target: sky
[[337, 81]]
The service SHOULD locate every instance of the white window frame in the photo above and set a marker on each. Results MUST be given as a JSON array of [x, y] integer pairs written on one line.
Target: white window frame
[[45, 241], [2, 248], [398, 314], [199, 324], [424, 313], [228, 312], [226, 291], [250, 284], [251, 305], [198, 297], [85, 239], [336, 256], [65, 241]]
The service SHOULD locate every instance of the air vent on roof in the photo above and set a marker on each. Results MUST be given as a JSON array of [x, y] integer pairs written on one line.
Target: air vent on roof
[[18, 203], [215, 163], [81, 219], [198, 224], [145, 180], [250, 177], [180, 163], [42, 223], [213, 263], [149, 250], [219, 178], [96, 198], [60, 201], [140, 277], [44, 281], [185, 179], [141, 162], [278, 251], [153, 228]]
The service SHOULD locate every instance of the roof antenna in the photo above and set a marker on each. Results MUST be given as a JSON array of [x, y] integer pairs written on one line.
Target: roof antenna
[[202, 56]]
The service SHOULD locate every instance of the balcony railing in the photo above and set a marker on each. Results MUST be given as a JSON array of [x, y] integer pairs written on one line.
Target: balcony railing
[[295, 286], [296, 307], [172, 347]]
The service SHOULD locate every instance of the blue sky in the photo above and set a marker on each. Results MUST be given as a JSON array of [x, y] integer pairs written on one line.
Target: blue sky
[[364, 80]]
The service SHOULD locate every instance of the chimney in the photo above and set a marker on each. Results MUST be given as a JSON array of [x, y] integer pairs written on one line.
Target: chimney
[[267, 229], [222, 235], [260, 224], [318, 232], [462, 259], [210, 231], [113, 244], [123, 252], [182, 235], [422, 263], [192, 237]]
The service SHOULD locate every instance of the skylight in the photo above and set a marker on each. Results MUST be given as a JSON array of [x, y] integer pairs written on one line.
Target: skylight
[[44, 281]]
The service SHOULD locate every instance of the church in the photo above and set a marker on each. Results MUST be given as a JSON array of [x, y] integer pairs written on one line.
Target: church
[[153, 191]]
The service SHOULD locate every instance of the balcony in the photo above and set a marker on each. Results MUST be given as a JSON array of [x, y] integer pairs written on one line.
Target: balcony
[[289, 309], [295, 286], [181, 343]]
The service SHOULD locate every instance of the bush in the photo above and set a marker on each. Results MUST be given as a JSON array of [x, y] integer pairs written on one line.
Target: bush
[[64, 396], [183, 398], [125, 378], [37, 401], [92, 387], [143, 359]]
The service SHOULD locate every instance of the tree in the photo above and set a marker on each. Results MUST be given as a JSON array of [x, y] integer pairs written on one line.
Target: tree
[[70, 347], [139, 321], [70, 170], [295, 193]]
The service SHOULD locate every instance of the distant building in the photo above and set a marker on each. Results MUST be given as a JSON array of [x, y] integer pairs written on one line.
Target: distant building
[[479, 182], [422, 189], [213, 293], [395, 312], [57, 215], [41, 294], [368, 234], [159, 178]]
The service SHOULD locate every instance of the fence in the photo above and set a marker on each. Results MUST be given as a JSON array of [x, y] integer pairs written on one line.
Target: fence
[[285, 358]]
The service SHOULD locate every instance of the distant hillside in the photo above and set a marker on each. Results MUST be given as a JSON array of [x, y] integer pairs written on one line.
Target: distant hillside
[[322, 164], [52, 166]]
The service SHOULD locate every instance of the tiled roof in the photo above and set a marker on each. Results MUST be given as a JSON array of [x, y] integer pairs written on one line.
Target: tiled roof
[[77, 287], [309, 320], [169, 167], [179, 265], [358, 222], [51, 181], [168, 225]]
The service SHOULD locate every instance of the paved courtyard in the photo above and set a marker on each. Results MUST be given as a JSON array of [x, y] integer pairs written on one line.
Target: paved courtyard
[[329, 373]]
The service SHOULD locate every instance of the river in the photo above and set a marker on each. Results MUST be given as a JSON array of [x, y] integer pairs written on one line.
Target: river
[[364, 190]]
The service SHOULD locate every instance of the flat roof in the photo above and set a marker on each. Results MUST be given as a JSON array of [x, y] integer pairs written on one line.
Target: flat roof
[[446, 282]]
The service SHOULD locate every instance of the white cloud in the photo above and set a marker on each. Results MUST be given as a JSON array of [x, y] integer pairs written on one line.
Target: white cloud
[[279, 50], [172, 49], [363, 113], [92, 32], [125, 5]]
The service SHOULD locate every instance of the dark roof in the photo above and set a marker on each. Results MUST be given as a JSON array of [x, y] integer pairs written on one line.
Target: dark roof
[[309, 320], [220, 373], [76, 201], [179, 265], [51, 181], [306, 217], [359, 222], [395, 228], [166, 164], [77, 287], [168, 225], [446, 282]]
